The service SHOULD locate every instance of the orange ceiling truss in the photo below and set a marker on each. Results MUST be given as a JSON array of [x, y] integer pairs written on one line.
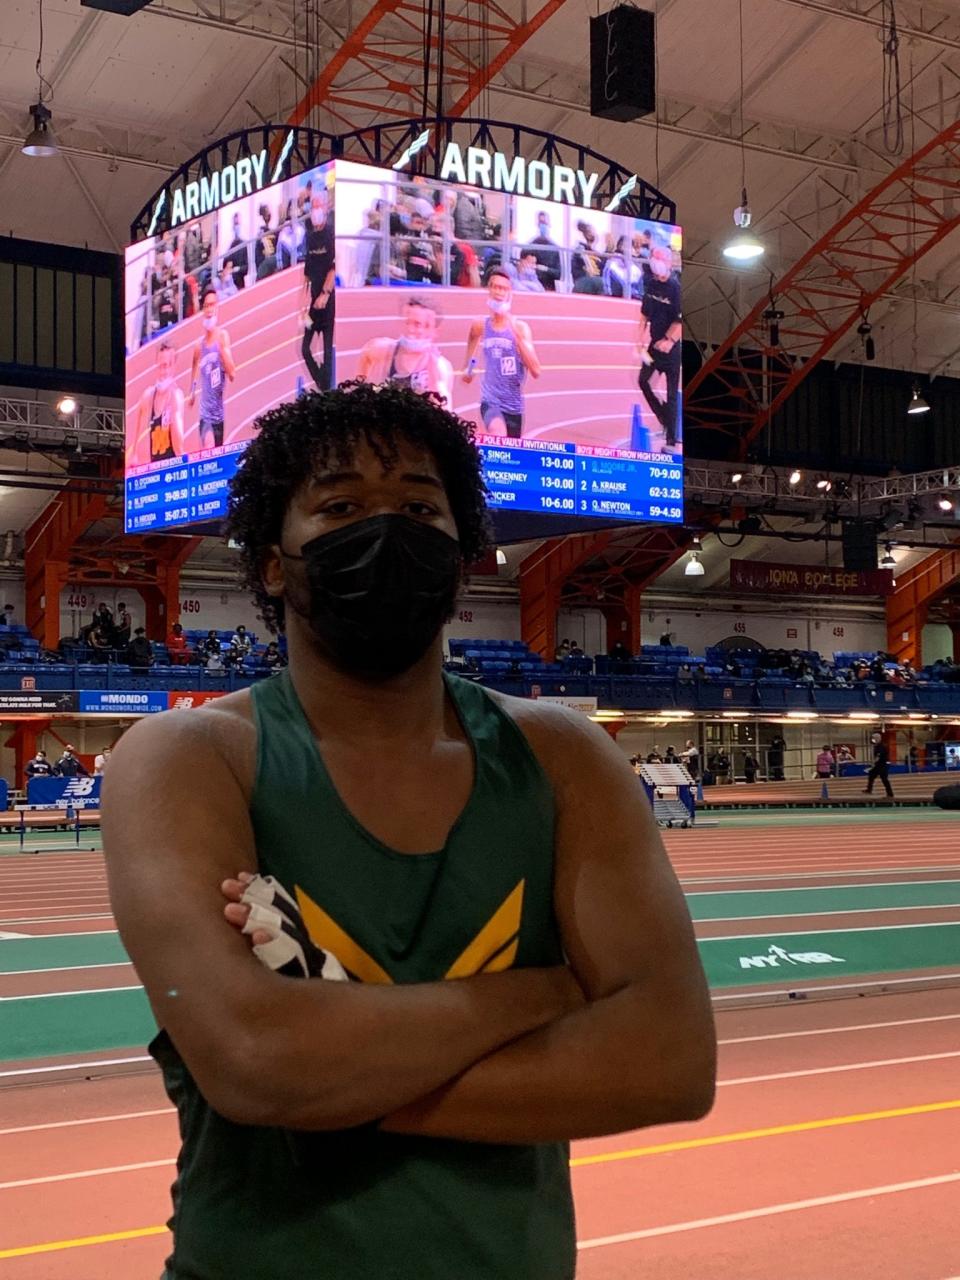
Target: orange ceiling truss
[[828, 292], [377, 72], [917, 589]]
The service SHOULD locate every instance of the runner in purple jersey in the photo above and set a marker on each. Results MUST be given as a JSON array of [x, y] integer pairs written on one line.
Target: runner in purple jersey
[[212, 362], [508, 356]]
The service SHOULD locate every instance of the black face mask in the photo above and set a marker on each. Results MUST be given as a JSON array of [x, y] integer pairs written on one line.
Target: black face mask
[[379, 591]]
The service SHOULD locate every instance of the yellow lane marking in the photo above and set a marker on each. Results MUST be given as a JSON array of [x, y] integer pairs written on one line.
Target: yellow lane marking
[[747, 1135], [137, 1233]]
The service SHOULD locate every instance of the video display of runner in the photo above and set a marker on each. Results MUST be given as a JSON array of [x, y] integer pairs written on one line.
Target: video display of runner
[[226, 317], [556, 329]]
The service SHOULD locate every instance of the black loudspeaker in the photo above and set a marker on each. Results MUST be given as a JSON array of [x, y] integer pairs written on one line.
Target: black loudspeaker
[[859, 546], [623, 77]]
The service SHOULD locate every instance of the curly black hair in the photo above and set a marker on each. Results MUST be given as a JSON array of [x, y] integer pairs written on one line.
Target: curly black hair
[[296, 440]]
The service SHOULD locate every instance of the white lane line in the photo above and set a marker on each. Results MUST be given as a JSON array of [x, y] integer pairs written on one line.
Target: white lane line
[[70, 968], [88, 933], [815, 875], [97, 915], [770, 1210], [847, 1066], [75, 1124], [52, 995], [813, 888], [801, 933], [87, 1173], [832, 1031], [828, 911], [89, 1065]]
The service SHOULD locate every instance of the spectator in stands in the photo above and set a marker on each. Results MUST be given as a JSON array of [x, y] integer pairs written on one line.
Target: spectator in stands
[[241, 642], [139, 652], [720, 765], [100, 762], [881, 764], [101, 642], [826, 762], [665, 641], [8, 619], [527, 280], [103, 618], [671, 757], [751, 767], [775, 758], [732, 668], [619, 652], [39, 766], [562, 651], [547, 255], [878, 671], [68, 766], [654, 757], [122, 625], [576, 651], [177, 645], [690, 756], [685, 674], [273, 659], [210, 646], [214, 661]]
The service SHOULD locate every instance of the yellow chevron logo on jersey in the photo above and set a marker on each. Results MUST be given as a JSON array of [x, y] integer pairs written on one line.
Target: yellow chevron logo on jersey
[[493, 950]]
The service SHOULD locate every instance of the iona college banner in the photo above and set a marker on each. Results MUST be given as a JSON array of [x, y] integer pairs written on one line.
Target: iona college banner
[[808, 579]]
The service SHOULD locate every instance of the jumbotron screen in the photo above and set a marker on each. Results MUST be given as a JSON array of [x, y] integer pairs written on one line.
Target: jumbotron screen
[[554, 328]]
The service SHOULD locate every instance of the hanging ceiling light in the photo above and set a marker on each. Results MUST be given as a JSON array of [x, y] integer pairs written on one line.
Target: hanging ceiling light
[[736, 477], [888, 562], [41, 140], [67, 406], [744, 247], [917, 403], [694, 567], [945, 502], [501, 556], [795, 477], [824, 484]]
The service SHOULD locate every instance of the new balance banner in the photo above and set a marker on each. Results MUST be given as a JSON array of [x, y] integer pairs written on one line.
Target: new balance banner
[[28, 700], [123, 702], [183, 700], [65, 793]]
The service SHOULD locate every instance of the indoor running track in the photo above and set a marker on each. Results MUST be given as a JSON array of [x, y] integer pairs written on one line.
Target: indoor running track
[[830, 1153]]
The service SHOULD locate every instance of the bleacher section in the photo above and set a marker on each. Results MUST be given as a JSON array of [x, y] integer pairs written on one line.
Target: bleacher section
[[659, 678]]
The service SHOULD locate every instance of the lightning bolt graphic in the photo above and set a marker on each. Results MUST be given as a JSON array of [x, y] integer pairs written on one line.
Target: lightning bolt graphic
[[287, 148], [417, 145], [156, 213], [621, 195]]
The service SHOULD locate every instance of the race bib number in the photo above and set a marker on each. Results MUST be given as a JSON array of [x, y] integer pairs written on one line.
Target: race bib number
[[215, 377], [508, 366]]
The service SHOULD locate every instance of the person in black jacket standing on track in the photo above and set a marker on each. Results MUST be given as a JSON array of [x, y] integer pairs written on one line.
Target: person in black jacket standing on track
[[881, 761]]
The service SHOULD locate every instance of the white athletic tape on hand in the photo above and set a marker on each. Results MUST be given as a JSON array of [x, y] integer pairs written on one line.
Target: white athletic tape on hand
[[274, 911]]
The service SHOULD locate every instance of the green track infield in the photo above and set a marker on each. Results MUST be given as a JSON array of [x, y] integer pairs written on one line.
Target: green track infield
[[753, 904], [23, 955], [48, 1026]]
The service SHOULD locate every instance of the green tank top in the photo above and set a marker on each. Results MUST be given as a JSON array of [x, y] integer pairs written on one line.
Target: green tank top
[[265, 1204]]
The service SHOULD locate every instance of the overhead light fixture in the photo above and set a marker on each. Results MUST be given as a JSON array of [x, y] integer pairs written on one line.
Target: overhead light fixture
[[888, 562], [864, 332], [945, 502], [743, 247], [736, 477], [694, 567], [501, 556], [67, 406], [41, 140], [917, 403], [795, 477], [824, 484]]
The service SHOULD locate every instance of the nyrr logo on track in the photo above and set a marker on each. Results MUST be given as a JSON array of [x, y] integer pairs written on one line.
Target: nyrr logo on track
[[777, 956]]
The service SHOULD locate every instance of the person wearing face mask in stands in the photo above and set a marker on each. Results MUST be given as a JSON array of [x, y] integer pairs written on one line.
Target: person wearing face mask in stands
[[660, 341], [528, 281], [508, 354], [319, 278], [212, 362], [548, 260], [412, 360], [160, 412]]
